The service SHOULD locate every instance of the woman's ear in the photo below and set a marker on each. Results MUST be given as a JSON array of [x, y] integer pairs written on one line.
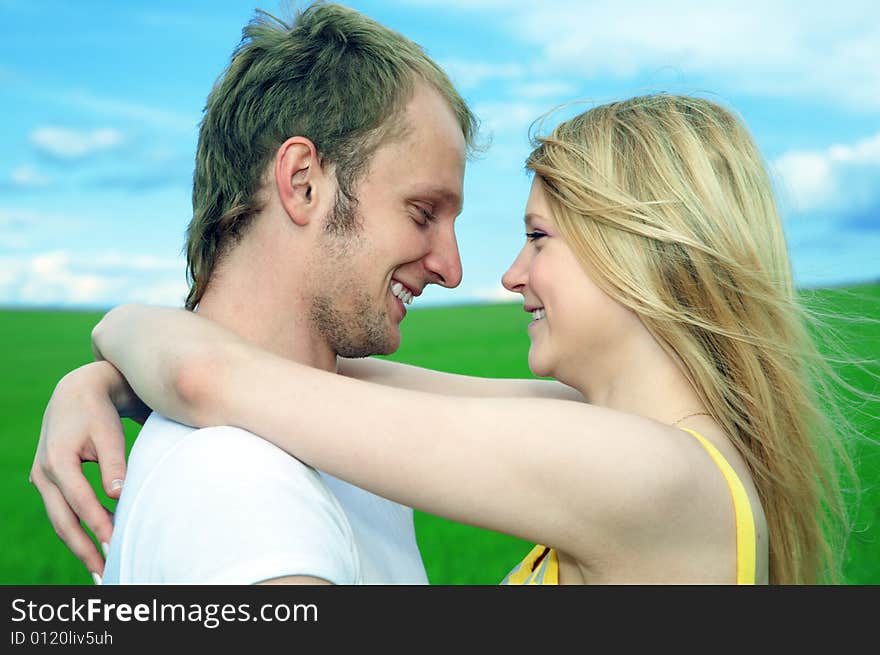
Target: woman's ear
[[300, 180]]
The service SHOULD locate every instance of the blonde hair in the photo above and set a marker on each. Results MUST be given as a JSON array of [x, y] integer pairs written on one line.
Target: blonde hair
[[667, 203]]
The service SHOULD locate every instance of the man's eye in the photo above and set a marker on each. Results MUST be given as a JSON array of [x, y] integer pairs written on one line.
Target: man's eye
[[534, 236], [424, 215]]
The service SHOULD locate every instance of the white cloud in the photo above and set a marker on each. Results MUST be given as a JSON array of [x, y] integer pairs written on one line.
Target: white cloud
[[49, 278], [147, 263], [28, 177], [139, 113], [12, 216], [468, 74], [470, 4], [813, 179], [543, 89], [62, 278], [170, 293], [807, 178], [19, 228], [864, 153], [513, 116], [776, 49], [72, 144]]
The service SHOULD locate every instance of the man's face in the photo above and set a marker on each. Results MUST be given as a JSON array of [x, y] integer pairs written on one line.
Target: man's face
[[406, 207]]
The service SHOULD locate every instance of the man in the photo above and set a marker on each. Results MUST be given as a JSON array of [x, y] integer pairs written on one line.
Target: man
[[328, 177]]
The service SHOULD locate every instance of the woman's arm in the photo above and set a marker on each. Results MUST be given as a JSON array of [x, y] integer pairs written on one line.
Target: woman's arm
[[81, 423], [553, 471], [416, 378], [135, 340]]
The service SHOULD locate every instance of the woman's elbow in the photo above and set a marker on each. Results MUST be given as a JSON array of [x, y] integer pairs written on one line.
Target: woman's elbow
[[107, 329], [196, 380]]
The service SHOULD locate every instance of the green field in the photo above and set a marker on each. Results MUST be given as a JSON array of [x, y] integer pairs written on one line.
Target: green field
[[479, 340]]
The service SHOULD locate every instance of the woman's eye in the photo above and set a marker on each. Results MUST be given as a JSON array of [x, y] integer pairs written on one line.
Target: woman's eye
[[534, 236]]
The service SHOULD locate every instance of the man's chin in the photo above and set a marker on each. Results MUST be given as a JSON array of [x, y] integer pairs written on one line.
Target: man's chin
[[388, 344], [392, 342]]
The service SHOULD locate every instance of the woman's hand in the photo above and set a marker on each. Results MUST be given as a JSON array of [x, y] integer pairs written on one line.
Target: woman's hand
[[82, 424], [82, 420]]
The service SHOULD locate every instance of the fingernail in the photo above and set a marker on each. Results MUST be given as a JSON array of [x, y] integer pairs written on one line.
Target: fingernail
[[105, 548], [96, 578], [116, 484]]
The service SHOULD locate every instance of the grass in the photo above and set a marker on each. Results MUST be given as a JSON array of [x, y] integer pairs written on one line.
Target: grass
[[485, 340]]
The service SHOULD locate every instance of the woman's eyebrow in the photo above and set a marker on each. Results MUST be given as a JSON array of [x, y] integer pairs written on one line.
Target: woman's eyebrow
[[530, 219]]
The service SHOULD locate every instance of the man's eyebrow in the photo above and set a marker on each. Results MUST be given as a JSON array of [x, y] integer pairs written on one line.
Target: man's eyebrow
[[442, 194]]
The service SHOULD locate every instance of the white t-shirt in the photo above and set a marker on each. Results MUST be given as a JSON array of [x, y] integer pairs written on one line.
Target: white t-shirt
[[222, 506]]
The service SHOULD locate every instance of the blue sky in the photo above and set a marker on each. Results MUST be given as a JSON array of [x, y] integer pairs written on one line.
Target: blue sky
[[100, 103]]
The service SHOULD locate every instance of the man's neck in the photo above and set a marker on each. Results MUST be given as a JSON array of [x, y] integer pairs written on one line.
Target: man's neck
[[281, 328]]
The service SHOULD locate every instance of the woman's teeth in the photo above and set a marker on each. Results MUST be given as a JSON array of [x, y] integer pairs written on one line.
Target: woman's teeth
[[538, 314], [401, 292]]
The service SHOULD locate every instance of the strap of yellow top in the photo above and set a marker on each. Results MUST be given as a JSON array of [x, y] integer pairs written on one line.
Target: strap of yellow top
[[745, 523], [521, 574], [552, 574], [547, 572], [531, 573]]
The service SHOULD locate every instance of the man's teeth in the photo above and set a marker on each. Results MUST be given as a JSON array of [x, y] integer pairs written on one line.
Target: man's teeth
[[538, 314], [401, 292]]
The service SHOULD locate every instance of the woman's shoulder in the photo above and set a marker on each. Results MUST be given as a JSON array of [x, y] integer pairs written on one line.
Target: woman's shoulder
[[657, 458], [648, 457], [607, 454], [675, 515], [691, 476], [620, 471]]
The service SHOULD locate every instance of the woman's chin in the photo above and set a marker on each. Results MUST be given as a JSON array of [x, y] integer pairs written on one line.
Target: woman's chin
[[538, 367]]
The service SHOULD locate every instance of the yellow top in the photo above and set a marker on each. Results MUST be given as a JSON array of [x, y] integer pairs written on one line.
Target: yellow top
[[541, 565]]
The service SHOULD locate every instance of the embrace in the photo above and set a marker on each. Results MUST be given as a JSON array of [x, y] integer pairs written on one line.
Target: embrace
[[679, 439]]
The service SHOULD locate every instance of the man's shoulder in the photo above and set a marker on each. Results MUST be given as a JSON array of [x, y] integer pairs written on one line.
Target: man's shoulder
[[162, 441], [176, 462], [222, 505]]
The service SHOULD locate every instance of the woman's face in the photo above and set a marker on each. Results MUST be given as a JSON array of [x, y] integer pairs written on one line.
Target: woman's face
[[575, 325]]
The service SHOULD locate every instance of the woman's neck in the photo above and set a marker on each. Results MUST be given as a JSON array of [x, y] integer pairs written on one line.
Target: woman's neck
[[641, 378]]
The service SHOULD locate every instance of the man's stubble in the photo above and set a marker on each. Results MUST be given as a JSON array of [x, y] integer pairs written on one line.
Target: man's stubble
[[340, 308]]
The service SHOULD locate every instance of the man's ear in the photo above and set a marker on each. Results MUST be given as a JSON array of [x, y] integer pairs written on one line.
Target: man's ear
[[300, 180]]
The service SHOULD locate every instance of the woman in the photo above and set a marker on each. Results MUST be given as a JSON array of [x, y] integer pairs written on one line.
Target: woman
[[656, 271]]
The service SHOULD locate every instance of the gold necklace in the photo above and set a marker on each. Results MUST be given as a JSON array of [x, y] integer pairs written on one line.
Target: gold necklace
[[691, 415]]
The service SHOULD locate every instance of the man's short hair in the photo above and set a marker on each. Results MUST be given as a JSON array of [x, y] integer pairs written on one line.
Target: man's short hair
[[331, 75]]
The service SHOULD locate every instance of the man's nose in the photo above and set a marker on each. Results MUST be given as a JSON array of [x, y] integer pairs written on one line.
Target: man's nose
[[444, 260]]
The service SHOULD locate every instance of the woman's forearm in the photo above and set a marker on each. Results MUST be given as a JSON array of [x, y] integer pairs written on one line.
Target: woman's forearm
[[416, 378]]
